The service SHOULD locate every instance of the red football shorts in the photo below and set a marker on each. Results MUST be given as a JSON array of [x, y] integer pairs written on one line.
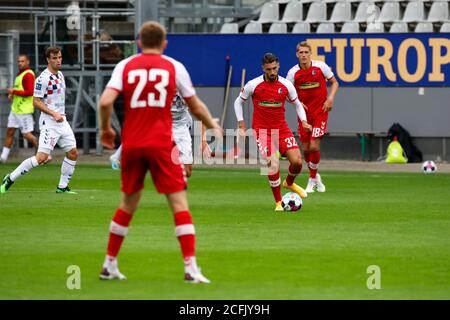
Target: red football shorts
[[319, 124], [163, 163], [271, 140]]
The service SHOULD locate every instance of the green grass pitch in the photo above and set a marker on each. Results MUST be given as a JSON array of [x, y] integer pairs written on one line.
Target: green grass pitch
[[397, 221]]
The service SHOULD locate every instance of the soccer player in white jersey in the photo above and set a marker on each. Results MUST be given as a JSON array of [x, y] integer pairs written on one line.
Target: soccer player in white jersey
[[181, 125], [49, 98]]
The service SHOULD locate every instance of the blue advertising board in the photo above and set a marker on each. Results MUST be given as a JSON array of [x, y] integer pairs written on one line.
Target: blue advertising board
[[358, 60]]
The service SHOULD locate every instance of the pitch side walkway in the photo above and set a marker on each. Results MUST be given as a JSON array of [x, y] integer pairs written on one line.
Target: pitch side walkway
[[344, 165]]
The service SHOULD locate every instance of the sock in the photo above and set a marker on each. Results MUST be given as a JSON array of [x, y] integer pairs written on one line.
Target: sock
[[292, 173], [24, 167], [314, 164], [275, 182], [185, 232], [5, 154], [118, 229], [67, 169], [117, 155], [307, 156]]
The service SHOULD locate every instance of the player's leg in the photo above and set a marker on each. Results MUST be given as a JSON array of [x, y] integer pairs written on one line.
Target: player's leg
[[12, 125], [115, 158], [134, 169], [183, 140], [31, 138], [295, 167], [67, 170], [314, 165], [288, 147], [266, 149], [169, 179], [46, 145], [185, 232], [27, 128], [319, 130], [8, 144], [68, 143]]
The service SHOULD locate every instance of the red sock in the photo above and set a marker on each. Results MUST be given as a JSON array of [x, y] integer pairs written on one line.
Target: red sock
[[184, 229], [292, 173], [314, 163], [307, 157], [118, 229], [275, 185]]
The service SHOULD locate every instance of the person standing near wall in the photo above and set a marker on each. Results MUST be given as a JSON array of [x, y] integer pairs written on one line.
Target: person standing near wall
[[22, 109], [309, 78]]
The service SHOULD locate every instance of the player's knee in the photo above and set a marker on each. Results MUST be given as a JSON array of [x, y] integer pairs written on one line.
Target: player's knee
[[41, 157], [296, 166], [72, 154], [188, 169], [313, 148]]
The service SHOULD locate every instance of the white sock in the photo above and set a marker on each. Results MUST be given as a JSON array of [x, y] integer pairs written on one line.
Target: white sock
[[190, 264], [5, 154], [67, 169], [108, 261], [24, 167], [116, 155]]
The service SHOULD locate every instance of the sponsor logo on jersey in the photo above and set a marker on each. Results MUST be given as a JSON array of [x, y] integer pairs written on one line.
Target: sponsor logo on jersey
[[270, 104], [309, 85]]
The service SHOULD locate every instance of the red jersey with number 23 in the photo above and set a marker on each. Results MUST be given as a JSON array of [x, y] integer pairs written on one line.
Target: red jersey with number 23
[[148, 83]]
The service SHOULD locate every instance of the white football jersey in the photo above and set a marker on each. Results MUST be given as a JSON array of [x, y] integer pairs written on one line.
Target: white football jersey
[[180, 113], [51, 88]]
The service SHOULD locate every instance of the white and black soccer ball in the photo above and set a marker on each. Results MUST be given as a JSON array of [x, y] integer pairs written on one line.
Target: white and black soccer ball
[[291, 202], [429, 167]]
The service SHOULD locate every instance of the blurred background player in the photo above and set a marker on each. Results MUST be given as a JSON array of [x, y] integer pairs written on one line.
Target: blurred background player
[[181, 126], [310, 80], [148, 83], [269, 93], [22, 109], [49, 98]]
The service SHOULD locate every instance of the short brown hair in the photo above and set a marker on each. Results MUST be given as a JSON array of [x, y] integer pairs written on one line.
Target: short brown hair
[[152, 34], [304, 44], [52, 50], [269, 58], [23, 55]]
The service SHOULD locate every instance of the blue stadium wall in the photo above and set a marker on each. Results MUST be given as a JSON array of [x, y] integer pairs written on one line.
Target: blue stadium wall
[[384, 78]]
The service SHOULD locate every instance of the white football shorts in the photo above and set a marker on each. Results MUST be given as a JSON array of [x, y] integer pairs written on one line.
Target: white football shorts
[[182, 137], [56, 133], [24, 122]]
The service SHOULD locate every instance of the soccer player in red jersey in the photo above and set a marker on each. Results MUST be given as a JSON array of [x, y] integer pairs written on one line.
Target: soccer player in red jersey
[[148, 82], [269, 93], [310, 80]]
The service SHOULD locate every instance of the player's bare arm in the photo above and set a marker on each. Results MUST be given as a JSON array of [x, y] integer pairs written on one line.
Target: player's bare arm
[[107, 134], [39, 104], [299, 108], [201, 112], [328, 105], [204, 146]]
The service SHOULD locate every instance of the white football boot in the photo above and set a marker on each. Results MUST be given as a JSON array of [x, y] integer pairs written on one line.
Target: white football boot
[[110, 271], [115, 163], [320, 187], [311, 185], [192, 273]]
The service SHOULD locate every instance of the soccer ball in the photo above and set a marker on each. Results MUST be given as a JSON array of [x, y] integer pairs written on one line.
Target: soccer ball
[[291, 202], [429, 167]]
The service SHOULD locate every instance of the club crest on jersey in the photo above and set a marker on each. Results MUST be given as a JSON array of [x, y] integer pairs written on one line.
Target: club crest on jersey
[[313, 72], [280, 90]]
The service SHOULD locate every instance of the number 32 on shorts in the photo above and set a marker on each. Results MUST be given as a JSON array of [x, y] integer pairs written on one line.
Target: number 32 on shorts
[[290, 142]]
